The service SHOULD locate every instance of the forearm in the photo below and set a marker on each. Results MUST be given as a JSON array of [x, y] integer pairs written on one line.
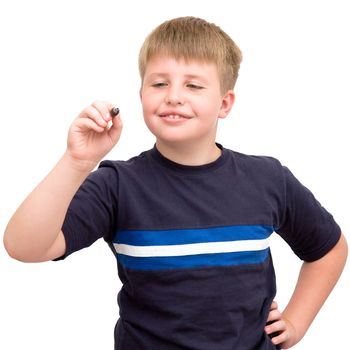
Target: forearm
[[315, 283], [37, 222], [34, 231]]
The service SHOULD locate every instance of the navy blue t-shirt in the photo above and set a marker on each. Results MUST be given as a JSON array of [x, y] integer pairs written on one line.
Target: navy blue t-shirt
[[192, 245]]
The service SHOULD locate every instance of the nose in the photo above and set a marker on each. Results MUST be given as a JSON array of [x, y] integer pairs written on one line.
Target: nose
[[174, 96]]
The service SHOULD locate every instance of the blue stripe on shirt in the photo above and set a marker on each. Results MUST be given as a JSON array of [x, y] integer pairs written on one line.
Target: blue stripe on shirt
[[151, 238], [187, 236]]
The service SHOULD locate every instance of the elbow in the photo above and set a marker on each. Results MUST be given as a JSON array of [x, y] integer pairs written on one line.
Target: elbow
[[20, 256], [14, 250], [342, 253], [339, 253], [334, 259], [29, 250], [10, 248], [345, 248]]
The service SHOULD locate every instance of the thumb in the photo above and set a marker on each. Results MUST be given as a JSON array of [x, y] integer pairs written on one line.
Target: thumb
[[115, 129]]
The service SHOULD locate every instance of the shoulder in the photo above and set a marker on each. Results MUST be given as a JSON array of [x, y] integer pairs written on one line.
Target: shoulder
[[115, 170], [257, 165], [117, 165]]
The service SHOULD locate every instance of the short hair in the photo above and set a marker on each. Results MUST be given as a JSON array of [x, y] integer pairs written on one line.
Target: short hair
[[192, 38]]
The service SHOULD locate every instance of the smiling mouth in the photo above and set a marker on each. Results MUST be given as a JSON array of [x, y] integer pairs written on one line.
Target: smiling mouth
[[174, 116]]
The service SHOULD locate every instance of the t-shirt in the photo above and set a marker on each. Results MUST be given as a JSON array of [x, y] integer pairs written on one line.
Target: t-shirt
[[192, 245]]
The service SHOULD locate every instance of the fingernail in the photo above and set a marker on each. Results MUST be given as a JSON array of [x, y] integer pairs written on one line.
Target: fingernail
[[114, 112]]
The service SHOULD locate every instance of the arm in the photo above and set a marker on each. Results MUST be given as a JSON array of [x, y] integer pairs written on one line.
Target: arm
[[34, 232], [315, 283]]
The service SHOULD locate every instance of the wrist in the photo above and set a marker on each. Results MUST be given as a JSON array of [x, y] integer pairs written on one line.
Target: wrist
[[295, 334], [80, 166]]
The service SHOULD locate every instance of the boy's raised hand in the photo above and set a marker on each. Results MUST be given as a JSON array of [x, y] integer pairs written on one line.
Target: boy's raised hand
[[93, 134]]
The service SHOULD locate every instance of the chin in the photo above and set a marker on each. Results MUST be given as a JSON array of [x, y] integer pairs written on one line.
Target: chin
[[173, 140]]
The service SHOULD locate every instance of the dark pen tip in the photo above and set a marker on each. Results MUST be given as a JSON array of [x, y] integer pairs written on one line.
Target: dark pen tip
[[114, 111]]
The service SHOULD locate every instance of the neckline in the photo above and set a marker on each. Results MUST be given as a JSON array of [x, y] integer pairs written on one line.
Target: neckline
[[189, 169]]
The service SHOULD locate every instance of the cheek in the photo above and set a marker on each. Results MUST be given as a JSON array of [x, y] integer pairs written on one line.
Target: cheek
[[206, 106], [145, 105], [149, 102]]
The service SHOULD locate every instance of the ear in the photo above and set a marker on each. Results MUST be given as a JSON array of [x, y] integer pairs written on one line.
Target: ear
[[227, 103], [140, 94]]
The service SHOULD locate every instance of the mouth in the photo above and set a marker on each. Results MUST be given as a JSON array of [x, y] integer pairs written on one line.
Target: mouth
[[174, 116]]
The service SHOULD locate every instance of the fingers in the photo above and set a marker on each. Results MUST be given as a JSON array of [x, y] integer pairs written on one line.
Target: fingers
[[280, 329], [106, 116], [86, 124], [280, 333], [275, 327], [98, 112], [101, 116], [104, 108], [115, 128], [274, 305], [274, 315], [277, 331], [285, 335], [281, 338]]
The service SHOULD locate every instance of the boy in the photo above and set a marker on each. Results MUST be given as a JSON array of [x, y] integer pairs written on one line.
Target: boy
[[188, 220]]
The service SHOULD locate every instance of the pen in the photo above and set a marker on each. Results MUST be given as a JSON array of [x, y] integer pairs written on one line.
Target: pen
[[114, 112]]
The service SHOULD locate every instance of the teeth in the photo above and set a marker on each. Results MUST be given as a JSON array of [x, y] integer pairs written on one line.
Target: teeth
[[173, 116]]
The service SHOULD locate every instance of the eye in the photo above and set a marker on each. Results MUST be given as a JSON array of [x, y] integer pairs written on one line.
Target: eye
[[194, 86], [159, 85]]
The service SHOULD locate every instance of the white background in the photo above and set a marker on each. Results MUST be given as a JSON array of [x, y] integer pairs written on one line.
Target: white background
[[59, 56]]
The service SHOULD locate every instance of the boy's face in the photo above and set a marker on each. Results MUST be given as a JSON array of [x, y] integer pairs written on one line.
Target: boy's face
[[182, 100]]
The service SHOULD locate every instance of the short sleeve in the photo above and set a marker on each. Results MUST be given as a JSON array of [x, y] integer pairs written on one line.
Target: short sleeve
[[307, 227], [92, 213]]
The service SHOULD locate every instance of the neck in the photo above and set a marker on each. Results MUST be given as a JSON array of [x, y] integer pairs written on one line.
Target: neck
[[188, 154]]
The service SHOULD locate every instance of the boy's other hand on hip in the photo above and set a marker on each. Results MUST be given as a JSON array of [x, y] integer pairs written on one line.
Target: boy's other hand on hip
[[281, 331]]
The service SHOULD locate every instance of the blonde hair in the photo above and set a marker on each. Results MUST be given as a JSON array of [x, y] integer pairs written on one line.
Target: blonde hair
[[194, 38]]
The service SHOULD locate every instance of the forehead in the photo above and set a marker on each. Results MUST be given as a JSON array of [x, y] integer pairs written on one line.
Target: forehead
[[169, 65]]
